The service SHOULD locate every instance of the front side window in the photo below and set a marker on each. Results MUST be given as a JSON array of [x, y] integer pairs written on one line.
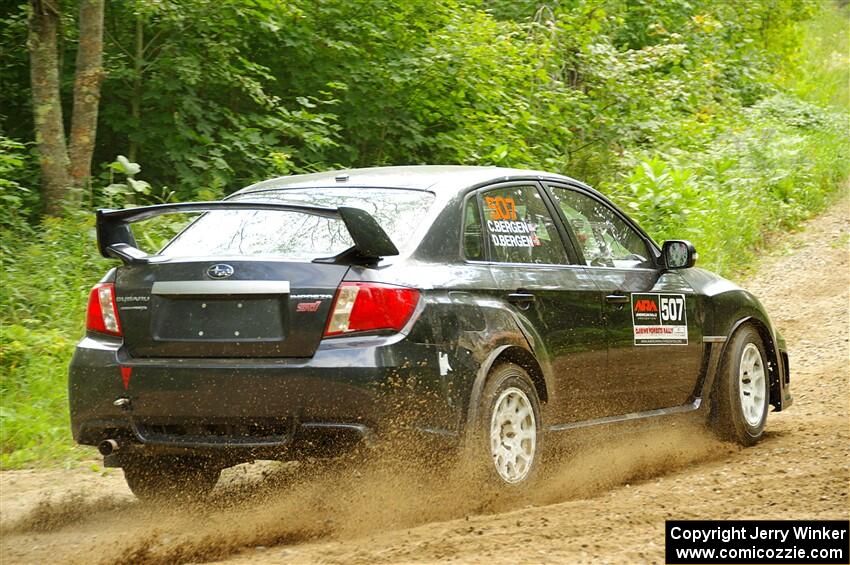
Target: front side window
[[604, 238], [519, 228], [298, 236]]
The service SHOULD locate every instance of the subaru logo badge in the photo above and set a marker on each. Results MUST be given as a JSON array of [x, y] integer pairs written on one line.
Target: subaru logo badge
[[220, 271]]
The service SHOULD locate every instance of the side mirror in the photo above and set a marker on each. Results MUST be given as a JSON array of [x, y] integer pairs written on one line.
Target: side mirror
[[679, 254]]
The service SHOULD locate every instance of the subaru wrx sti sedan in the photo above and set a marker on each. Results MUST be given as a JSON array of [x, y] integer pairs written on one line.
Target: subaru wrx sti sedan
[[489, 307]]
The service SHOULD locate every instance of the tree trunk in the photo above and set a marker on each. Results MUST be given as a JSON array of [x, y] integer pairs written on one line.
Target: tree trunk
[[136, 99], [47, 106], [89, 74]]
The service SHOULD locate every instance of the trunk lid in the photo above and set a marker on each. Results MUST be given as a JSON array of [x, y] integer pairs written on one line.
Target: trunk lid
[[257, 308]]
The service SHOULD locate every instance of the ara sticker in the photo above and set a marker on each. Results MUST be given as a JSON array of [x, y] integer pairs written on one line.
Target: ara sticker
[[659, 319]]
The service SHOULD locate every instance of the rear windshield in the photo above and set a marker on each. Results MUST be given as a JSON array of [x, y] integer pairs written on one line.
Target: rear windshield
[[295, 235]]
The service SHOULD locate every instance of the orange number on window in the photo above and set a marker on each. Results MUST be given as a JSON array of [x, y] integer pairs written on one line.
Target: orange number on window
[[501, 208], [510, 208]]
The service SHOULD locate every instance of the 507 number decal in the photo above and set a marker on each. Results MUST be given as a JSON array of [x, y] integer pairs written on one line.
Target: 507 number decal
[[659, 319], [501, 208], [672, 308]]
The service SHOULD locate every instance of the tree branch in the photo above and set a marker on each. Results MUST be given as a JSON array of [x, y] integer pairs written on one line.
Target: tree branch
[[117, 43]]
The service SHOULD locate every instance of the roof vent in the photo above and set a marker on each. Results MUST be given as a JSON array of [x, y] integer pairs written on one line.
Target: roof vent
[[342, 177]]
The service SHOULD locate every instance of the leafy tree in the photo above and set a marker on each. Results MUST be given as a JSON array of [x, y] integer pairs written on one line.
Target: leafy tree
[[191, 97], [212, 96]]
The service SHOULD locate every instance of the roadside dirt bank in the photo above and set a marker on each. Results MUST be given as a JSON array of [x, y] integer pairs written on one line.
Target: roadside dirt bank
[[606, 503]]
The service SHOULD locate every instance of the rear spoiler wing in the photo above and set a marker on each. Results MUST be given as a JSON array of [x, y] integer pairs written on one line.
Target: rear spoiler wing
[[115, 238]]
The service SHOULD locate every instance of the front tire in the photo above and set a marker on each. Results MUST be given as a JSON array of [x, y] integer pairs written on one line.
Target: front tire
[[742, 394], [170, 478], [507, 440]]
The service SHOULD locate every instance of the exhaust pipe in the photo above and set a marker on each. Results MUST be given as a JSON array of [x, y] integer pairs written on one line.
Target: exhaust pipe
[[108, 447]]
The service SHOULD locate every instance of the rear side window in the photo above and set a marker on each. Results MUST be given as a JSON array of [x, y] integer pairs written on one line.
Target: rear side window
[[473, 237], [519, 228], [298, 236]]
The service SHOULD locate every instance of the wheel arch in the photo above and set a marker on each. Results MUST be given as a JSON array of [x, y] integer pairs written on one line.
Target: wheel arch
[[771, 350], [526, 360], [507, 354]]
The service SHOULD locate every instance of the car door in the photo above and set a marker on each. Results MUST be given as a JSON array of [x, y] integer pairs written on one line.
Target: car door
[[653, 335], [554, 300]]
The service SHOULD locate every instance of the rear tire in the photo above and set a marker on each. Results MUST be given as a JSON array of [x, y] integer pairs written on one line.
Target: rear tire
[[507, 440], [742, 394], [170, 478]]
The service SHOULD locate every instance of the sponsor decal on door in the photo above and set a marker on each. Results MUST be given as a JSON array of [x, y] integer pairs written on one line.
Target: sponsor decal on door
[[659, 319]]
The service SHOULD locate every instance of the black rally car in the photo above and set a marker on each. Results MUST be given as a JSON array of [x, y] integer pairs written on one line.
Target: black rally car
[[484, 305]]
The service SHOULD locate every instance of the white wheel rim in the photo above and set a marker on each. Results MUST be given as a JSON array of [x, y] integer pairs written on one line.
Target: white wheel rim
[[513, 435], [751, 383]]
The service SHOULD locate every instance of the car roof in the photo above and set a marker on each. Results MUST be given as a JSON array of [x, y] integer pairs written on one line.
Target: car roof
[[437, 178]]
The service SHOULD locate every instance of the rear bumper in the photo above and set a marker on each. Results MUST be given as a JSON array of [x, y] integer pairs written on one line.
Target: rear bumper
[[350, 390]]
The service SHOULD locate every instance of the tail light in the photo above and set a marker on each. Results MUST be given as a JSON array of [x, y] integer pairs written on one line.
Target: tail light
[[364, 307], [102, 315]]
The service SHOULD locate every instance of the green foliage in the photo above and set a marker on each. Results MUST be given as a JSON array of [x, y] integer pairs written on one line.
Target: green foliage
[[780, 162], [822, 64], [15, 102], [16, 199], [46, 280], [715, 121], [131, 190], [206, 114], [34, 412]]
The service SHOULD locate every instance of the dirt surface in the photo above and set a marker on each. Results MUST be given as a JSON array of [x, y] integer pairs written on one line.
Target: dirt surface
[[606, 501]]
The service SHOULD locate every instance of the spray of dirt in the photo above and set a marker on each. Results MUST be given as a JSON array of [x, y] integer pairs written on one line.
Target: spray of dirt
[[51, 514], [608, 457], [275, 504]]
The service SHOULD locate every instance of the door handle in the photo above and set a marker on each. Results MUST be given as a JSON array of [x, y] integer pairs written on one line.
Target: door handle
[[617, 298], [522, 299]]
